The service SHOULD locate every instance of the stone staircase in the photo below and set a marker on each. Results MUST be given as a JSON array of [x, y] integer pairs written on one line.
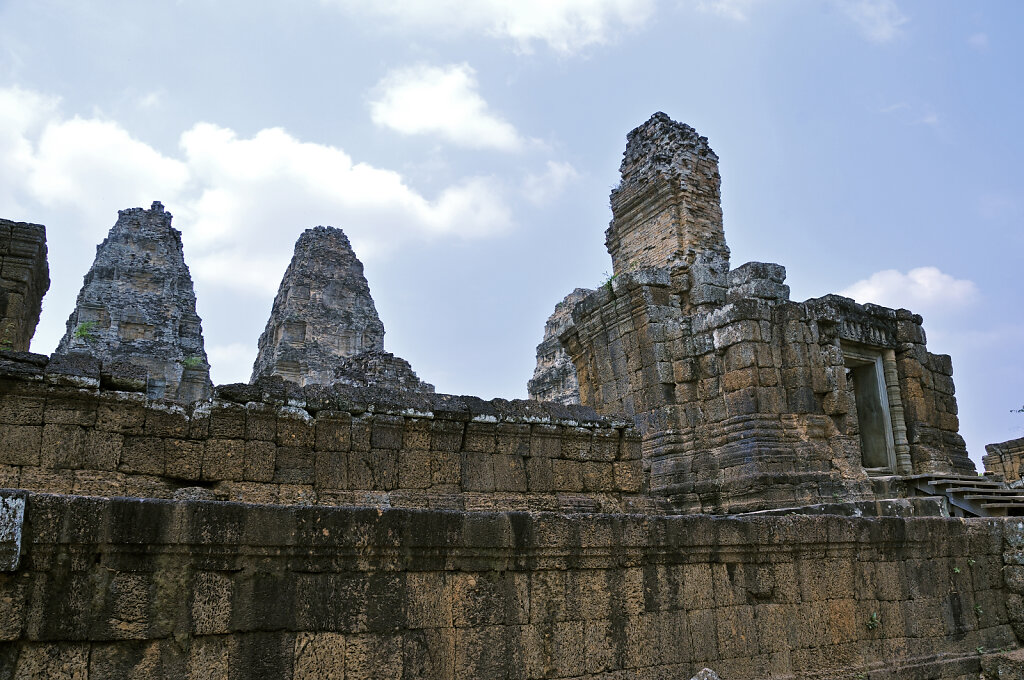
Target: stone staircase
[[970, 496]]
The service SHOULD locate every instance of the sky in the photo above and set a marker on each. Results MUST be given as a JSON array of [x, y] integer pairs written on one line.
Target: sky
[[468, 148]]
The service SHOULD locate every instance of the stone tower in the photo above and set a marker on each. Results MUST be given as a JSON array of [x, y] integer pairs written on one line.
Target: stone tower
[[24, 279], [554, 378], [323, 312], [667, 209], [745, 399], [137, 304]]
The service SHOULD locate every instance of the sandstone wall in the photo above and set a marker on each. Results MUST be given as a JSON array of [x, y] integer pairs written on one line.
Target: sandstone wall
[[24, 279], [64, 431], [744, 406], [158, 589]]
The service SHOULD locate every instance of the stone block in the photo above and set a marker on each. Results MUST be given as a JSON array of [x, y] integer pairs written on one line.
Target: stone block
[[124, 414], [99, 483], [480, 437], [333, 431], [446, 435], [477, 472], [293, 465], [416, 434], [545, 441], [224, 459], [319, 656], [362, 427], [509, 473], [260, 461], [102, 450], [414, 469], [567, 474], [539, 475], [184, 458], [295, 428], [143, 455], [386, 432], [227, 421], [73, 407], [16, 409], [166, 421], [374, 470], [330, 469], [21, 444], [628, 476], [260, 422], [445, 468]]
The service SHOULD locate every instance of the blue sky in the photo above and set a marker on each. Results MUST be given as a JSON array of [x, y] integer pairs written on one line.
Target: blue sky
[[468, 148]]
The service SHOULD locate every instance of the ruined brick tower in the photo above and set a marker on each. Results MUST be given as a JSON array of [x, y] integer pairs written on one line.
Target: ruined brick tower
[[322, 313], [667, 210], [745, 399], [138, 305], [24, 279]]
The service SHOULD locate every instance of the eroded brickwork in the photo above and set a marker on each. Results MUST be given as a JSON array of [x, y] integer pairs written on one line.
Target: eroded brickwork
[[1006, 459], [554, 378], [138, 305], [24, 279], [667, 209]]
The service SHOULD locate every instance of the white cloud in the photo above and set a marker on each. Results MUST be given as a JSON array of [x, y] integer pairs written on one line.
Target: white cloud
[[737, 10], [150, 100], [240, 202], [879, 20], [441, 100], [94, 162], [566, 26], [978, 41], [922, 289], [544, 187]]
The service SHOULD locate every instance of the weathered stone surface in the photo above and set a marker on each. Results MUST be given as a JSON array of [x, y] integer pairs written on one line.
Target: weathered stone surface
[[746, 400], [1007, 460], [667, 210], [160, 589], [24, 279], [323, 312], [137, 306], [377, 368], [554, 378]]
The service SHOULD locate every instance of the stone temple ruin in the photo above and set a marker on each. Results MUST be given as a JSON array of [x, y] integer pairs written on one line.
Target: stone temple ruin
[[138, 307], [748, 484], [324, 327]]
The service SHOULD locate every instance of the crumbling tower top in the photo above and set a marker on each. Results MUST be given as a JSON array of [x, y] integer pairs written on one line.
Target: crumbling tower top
[[668, 207]]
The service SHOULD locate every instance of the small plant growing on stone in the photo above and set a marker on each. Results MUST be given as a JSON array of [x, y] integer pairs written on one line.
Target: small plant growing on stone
[[192, 362], [971, 561], [84, 331], [873, 621], [956, 570], [608, 278], [978, 610], [979, 650]]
